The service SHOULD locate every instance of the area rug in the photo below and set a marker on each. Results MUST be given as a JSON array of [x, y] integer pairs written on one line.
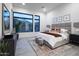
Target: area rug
[[64, 50]]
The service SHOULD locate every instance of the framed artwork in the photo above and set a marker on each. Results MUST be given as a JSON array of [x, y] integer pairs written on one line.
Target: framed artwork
[[66, 17], [56, 19], [60, 18]]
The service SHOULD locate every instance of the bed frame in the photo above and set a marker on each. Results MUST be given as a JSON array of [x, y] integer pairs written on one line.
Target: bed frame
[[76, 25], [63, 25], [60, 25]]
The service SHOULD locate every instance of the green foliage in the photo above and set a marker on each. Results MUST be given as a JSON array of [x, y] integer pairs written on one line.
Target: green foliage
[[3, 47]]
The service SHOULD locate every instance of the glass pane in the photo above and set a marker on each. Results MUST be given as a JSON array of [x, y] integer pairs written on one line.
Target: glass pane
[[22, 15], [36, 17], [23, 25], [37, 23], [23, 22], [6, 19], [6, 13]]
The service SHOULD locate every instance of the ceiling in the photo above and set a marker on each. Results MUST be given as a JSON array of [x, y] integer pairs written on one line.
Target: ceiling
[[37, 7]]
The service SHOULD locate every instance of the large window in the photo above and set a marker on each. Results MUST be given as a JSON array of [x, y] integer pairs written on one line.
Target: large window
[[23, 22], [37, 23]]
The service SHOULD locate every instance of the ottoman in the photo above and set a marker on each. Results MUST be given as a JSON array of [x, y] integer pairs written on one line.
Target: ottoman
[[39, 41]]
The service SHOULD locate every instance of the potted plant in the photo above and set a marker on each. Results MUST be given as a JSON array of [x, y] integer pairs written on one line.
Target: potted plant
[[4, 48]]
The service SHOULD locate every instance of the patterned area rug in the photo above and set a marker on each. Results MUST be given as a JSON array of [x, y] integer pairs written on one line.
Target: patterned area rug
[[65, 50]]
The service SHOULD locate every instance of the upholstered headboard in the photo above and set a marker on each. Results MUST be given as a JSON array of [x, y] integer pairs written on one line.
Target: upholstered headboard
[[76, 28], [76, 25], [63, 25]]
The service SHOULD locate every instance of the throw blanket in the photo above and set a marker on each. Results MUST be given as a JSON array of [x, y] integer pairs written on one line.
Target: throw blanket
[[54, 34]]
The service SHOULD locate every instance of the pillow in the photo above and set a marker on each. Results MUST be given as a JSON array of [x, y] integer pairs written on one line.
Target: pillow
[[64, 31], [56, 29]]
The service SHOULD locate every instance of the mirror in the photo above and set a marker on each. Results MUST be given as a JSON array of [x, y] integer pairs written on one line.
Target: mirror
[[6, 20]]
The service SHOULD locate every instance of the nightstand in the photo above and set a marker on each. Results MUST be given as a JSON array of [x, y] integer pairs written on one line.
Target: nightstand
[[74, 38]]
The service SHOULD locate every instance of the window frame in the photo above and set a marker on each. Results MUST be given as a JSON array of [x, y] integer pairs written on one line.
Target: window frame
[[39, 23], [23, 18]]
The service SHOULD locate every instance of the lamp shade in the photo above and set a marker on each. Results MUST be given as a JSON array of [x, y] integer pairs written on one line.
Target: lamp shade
[[48, 26]]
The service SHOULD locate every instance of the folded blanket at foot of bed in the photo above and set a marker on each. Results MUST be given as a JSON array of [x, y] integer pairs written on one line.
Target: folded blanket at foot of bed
[[53, 34]]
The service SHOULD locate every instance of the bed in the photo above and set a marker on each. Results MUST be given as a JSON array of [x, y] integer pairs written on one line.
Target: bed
[[53, 41], [55, 38]]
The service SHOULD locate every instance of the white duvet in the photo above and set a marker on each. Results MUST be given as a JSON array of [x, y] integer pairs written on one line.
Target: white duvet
[[52, 40]]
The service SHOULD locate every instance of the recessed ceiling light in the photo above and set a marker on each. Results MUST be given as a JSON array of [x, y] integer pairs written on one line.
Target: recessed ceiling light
[[44, 9], [23, 3]]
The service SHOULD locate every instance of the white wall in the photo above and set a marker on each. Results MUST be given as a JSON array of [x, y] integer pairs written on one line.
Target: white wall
[[42, 21], [61, 10]]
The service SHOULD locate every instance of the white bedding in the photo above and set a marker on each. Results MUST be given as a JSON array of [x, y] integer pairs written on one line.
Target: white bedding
[[52, 40]]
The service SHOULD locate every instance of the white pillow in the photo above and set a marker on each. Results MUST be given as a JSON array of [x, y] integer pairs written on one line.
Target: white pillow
[[64, 31]]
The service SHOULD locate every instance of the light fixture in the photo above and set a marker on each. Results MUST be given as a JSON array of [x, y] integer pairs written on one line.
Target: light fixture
[[44, 9], [23, 3]]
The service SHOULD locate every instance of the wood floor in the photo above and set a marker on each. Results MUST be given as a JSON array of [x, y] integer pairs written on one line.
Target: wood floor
[[24, 48]]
